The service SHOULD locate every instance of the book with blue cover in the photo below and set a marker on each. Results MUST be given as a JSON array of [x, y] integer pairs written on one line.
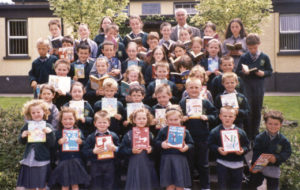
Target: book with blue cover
[[71, 145], [176, 136]]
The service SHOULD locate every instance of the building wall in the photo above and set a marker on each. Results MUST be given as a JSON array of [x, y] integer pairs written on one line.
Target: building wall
[[166, 7]]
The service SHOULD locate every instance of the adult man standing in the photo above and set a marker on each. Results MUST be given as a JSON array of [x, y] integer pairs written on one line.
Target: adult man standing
[[181, 16]]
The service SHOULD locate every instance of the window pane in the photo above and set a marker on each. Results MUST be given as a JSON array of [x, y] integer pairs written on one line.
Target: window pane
[[18, 46], [290, 41], [289, 23], [18, 28]]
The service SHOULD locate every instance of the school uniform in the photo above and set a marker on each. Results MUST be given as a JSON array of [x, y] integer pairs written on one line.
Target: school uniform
[[229, 167], [87, 69], [93, 46], [102, 171], [174, 167], [280, 147], [141, 173], [120, 54], [100, 38], [208, 66], [127, 63], [254, 87], [142, 34]]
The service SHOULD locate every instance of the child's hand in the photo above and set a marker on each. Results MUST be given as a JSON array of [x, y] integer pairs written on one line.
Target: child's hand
[[125, 123], [111, 147], [75, 78], [118, 117], [240, 152], [82, 119], [208, 73], [245, 71], [47, 130], [33, 84], [203, 117], [149, 150], [60, 92], [98, 150], [272, 159], [217, 72], [165, 145], [62, 140], [100, 92], [25, 134], [185, 118], [184, 148], [260, 73], [79, 141], [136, 150], [222, 152], [158, 126]]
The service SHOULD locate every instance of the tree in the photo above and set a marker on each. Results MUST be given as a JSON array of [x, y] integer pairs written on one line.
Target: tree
[[220, 12], [74, 12]]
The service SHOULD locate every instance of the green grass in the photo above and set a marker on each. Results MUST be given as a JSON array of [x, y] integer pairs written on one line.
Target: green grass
[[7, 102]]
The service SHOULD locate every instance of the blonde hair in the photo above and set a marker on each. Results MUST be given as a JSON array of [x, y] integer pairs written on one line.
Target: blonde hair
[[196, 39], [142, 110], [228, 108], [111, 83], [134, 68], [198, 69], [63, 110], [102, 59], [173, 109], [62, 61], [193, 80], [102, 114], [77, 84], [163, 88], [229, 75], [43, 41], [162, 64], [32, 103]]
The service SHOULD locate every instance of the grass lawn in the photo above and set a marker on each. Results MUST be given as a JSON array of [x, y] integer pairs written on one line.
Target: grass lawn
[[7, 102]]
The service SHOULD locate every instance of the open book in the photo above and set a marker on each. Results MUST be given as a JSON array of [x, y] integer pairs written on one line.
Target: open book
[[125, 87], [229, 100], [56, 42], [179, 78], [196, 57], [236, 46], [60, 83], [137, 40], [97, 83], [206, 39], [246, 68]]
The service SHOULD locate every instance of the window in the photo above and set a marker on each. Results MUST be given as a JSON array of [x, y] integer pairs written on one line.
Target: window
[[289, 37], [188, 6], [150, 8], [17, 39]]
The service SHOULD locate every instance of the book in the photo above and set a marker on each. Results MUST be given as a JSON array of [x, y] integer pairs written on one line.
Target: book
[[71, 145], [110, 105], [196, 57], [206, 39], [176, 135], [56, 42], [78, 106], [140, 138], [79, 71], [160, 81], [131, 107], [229, 100], [160, 116], [175, 61], [36, 133], [233, 47], [137, 40], [203, 92], [125, 87], [260, 163], [60, 83], [212, 65], [179, 78], [194, 108], [230, 140], [168, 47], [97, 83], [131, 63], [66, 53], [103, 141], [246, 68]]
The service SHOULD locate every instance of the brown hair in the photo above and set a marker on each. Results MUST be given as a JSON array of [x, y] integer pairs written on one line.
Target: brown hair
[[252, 39], [102, 114], [196, 39], [62, 61], [102, 20], [163, 88], [165, 24], [228, 33], [172, 109], [153, 35], [107, 42], [28, 105], [229, 75], [142, 110], [201, 70], [67, 39], [110, 83], [136, 69], [136, 17], [112, 26], [54, 22], [137, 88], [162, 64], [47, 87], [219, 45], [63, 110], [76, 83], [185, 61], [273, 114], [152, 59], [210, 25]]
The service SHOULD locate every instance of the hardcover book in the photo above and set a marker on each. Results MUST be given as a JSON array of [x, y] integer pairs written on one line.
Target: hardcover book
[[160, 116], [56, 43], [230, 140], [60, 83], [71, 145], [125, 87], [140, 138], [179, 78], [206, 39], [103, 141], [131, 107], [246, 68], [229, 100], [110, 105], [260, 163], [36, 133], [137, 40], [232, 47], [66, 53], [97, 83], [79, 71], [78, 106], [176, 135], [196, 57], [194, 108]]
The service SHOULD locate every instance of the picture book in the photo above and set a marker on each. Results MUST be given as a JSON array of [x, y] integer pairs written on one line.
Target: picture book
[[137, 40], [194, 108], [229, 100], [230, 140], [260, 163], [140, 138], [206, 39], [79, 71], [125, 87], [60, 83], [103, 141], [71, 145], [36, 133], [131, 107], [179, 78], [176, 135], [110, 105], [232, 47], [160, 116], [78, 106], [66, 53], [97, 83]]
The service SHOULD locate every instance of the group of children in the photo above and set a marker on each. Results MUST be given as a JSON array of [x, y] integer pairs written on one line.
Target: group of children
[[147, 63]]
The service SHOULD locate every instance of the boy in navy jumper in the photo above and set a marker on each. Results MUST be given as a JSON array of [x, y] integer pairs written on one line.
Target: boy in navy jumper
[[272, 142], [132, 52], [260, 65], [229, 164], [43, 66]]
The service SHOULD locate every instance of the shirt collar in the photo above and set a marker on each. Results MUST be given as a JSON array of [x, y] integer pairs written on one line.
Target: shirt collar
[[272, 136], [230, 128], [225, 92], [216, 58], [98, 133], [184, 26], [169, 104]]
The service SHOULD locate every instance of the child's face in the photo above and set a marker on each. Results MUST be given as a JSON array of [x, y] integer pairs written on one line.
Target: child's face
[[37, 113], [253, 48], [77, 93], [102, 124], [193, 89], [83, 55], [54, 30], [208, 31], [83, 32], [163, 98], [182, 69], [132, 51], [166, 32], [42, 50], [109, 51], [200, 76], [196, 47], [184, 36], [47, 95], [227, 66], [152, 43], [137, 97], [230, 84], [173, 120], [140, 119], [68, 120], [161, 72], [273, 126], [135, 25], [213, 49], [62, 70], [158, 55], [179, 51], [109, 92], [133, 76], [111, 34], [235, 28], [66, 44], [105, 23], [227, 116], [101, 67]]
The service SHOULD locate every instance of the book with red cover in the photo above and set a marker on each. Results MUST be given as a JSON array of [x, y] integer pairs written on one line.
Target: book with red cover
[[230, 140], [140, 137]]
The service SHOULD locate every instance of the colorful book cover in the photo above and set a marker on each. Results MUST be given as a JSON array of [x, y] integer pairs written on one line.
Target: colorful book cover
[[66, 53], [124, 88], [176, 135], [160, 81], [260, 163], [194, 108], [131, 63], [60, 83], [36, 133], [229, 100], [71, 145], [140, 138], [230, 140], [131, 107], [110, 105], [179, 78], [79, 71], [212, 65], [203, 92], [97, 83], [102, 142], [78, 106], [160, 116]]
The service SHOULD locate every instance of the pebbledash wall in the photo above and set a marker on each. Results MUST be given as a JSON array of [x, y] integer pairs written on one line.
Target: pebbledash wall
[[14, 71]]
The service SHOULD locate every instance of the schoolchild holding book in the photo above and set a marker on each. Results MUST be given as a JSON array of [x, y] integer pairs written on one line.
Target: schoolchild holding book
[[199, 116], [230, 165], [105, 21], [254, 66], [70, 170], [276, 145], [102, 168], [68, 42], [210, 30], [41, 67], [174, 167], [141, 173], [195, 52], [35, 164], [165, 31], [55, 39], [110, 88], [84, 33], [185, 36], [84, 110], [132, 52]]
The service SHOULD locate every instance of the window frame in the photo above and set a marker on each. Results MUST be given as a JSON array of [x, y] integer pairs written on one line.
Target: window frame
[[184, 3]]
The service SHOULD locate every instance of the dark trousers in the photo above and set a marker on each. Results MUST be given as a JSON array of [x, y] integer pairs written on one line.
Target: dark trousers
[[103, 175], [257, 179], [228, 178]]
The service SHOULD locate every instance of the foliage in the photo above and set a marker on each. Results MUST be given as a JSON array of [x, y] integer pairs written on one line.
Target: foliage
[[220, 12], [74, 12]]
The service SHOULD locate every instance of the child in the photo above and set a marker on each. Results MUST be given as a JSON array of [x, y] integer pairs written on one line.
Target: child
[[230, 81], [210, 30], [105, 21], [141, 173], [85, 114], [161, 72], [110, 88], [132, 51], [196, 46], [165, 31], [35, 165], [80, 69], [174, 168], [199, 128], [70, 170], [229, 164], [254, 81], [271, 141], [84, 34], [55, 39], [179, 49], [47, 93], [185, 35], [152, 40], [67, 41], [235, 33], [42, 67], [102, 171]]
